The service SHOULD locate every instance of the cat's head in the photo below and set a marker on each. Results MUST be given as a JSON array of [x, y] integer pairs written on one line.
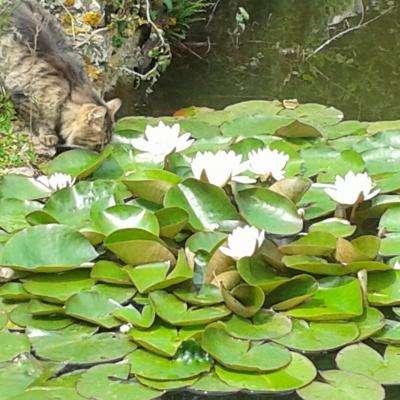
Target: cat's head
[[89, 125]]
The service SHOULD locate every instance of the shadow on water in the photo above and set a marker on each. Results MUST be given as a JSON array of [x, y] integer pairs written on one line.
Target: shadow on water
[[358, 73]]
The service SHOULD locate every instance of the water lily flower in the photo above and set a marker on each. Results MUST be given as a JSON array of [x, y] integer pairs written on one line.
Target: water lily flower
[[56, 181], [352, 189], [266, 162], [243, 242], [125, 328], [160, 141], [220, 168]]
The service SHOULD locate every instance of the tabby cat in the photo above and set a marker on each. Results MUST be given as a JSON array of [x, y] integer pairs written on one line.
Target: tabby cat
[[49, 86]]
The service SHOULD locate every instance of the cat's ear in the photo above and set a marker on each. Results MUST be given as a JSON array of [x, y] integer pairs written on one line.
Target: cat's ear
[[96, 117], [113, 106]]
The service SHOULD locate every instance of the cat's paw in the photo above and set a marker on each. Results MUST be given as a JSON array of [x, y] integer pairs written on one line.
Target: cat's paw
[[49, 140]]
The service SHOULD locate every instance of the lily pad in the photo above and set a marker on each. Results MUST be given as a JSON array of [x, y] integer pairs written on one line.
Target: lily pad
[[40, 308], [152, 366], [208, 295], [239, 355], [61, 249], [205, 204], [364, 248], [312, 244], [110, 272], [80, 349], [269, 211], [13, 213], [265, 325], [13, 344], [133, 316], [337, 385], [369, 323], [151, 185], [390, 333], [384, 288], [300, 372], [244, 300], [58, 288], [136, 246], [210, 384], [166, 385], [336, 298], [104, 382], [14, 291], [22, 188], [319, 336], [177, 313], [336, 226], [362, 359], [172, 220]]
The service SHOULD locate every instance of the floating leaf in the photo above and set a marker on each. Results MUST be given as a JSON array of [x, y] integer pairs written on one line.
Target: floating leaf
[[269, 211], [364, 248], [166, 385], [176, 312], [152, 366], [14, 291], [110, 272], [390, 333], [40, 308], [384, 288], [336, 226], [49, 394], [312, 244], [369, 323], [362, 359], [244, 300], [172, 220], [207, 296], [13, 213], [136, 246], [13, 344], [205, 204], [264, 325], [292, 188], [61, 248], [133, 316], [210, 384], [22, 188], [239, 355], [337, 385], [319, 336], [300, 372]]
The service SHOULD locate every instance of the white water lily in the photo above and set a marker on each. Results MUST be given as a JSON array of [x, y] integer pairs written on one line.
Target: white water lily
[[266, 162], [56, 181], [243, 242], [220, 168], [351, 189], [160, 141], [125, 328]]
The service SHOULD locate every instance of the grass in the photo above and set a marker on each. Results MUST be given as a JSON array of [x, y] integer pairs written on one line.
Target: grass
[[15, 148]]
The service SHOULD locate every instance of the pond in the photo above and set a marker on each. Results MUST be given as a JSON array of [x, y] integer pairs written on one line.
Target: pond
[[357, 73], [273, 58]]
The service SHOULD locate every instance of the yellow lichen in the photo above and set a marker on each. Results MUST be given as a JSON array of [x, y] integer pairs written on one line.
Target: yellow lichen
[[91, 18], [65, 19], [92, 71], [69, 3]]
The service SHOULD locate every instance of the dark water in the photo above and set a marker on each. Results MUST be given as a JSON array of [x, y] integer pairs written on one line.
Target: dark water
[[358, 73]]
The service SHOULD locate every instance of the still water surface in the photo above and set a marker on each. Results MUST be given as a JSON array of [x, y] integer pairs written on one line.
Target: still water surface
[[358, 73]]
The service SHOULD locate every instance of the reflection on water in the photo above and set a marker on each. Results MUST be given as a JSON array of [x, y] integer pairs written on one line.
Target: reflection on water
[[358, 73]]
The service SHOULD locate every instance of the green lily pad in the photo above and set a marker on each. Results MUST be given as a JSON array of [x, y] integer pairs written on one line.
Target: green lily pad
[[362, 359], [131, 315], [124, 216], [172, 220], [319, 336], [390, 333], [336, 298], [390, 245], [176, 312], [312, 244], [293, 188], [205, 204], [157, 276], [337, 385], [40, 308], [120, 294], [239, 355], [384, 288], [269, 211], [93, 307], [300, 372], [61, 249], [252, 107], [21, 316], [389, 221], [22, 188], [166, 385], [13, 344], [255, 271], [104, 382], [78, 162], [265, 325], [244, 300], [369, 323], [13, 213], [291, 293], [3, 319], [207, 296], [110, 272], [49, 394], [136, 246], [58, 288], [338, 227], [152, 366], [205, 241], [161, 339], [210, 384], [80, 349], [14, 291], [316, 203], [151, 185], [364, 248]]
